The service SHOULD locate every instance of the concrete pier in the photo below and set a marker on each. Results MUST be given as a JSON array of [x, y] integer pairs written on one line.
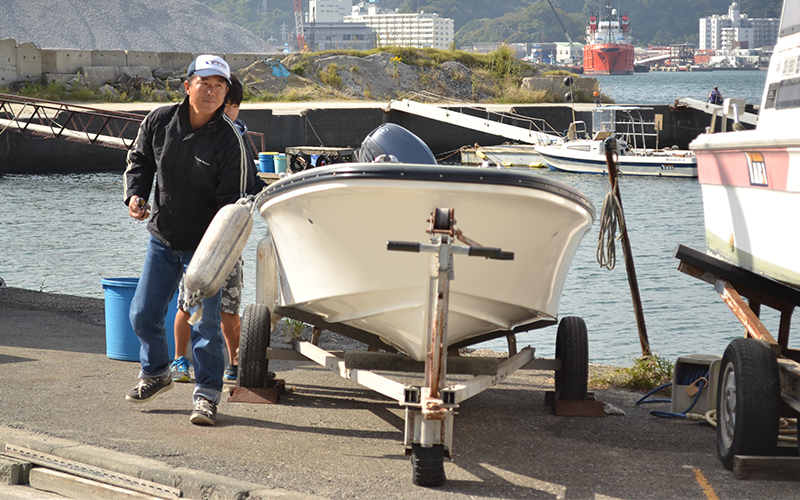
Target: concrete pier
[[330, 124]]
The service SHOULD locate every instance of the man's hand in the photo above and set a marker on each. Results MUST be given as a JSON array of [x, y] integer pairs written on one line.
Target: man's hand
[[138, 208]]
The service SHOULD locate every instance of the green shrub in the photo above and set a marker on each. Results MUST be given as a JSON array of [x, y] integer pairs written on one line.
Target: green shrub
[[646, 374], [330, 76]]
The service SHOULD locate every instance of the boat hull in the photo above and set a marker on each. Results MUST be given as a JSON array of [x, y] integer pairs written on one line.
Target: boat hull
[[750, 179], [751, 190], [510, 155], [608, 59], [591, 162], [330, 227]]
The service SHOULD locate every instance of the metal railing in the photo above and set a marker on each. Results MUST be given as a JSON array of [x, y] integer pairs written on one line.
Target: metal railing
[[60, 120]]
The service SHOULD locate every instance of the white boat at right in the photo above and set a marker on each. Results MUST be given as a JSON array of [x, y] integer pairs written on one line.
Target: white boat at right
[[587, 155], [750, 183], [750, 179]]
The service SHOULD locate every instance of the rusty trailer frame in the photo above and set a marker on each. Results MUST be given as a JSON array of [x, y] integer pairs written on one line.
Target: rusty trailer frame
[[759, 382]]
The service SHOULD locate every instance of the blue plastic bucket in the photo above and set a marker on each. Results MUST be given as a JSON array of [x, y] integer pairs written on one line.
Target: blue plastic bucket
[[266, 163], [280, 162], [121, 342]]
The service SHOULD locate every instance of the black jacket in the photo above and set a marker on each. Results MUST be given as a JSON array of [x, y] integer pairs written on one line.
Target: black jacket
[[196, 172]]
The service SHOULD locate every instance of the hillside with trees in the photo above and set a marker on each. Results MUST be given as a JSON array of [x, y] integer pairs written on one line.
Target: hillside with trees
[[654, 22]]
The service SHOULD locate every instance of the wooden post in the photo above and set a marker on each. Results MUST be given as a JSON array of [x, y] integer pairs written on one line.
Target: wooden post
[[613, 179]]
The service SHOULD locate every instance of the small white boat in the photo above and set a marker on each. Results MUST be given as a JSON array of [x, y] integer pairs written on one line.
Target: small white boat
[[330, 227], [587, 155], [503, 155]]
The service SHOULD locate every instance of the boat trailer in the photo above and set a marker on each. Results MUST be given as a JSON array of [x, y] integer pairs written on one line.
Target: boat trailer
[[759, 379], [430, 406]]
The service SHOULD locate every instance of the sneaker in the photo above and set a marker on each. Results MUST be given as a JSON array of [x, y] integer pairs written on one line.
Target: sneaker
[[180, 370], [205, 412], [231, 371], [148, 388]]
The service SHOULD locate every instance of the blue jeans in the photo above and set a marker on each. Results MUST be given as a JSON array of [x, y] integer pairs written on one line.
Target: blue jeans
[[161, 274]]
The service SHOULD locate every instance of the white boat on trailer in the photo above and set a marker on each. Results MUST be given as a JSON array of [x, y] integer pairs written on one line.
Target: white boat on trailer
[[416, 260], [625, 124], [332, 232], [750, 183]]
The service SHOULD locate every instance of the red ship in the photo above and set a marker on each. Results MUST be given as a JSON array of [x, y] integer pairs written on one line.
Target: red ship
[[608, 49]]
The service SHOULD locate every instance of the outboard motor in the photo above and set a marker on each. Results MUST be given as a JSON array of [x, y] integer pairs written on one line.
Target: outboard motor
[[390, 142]]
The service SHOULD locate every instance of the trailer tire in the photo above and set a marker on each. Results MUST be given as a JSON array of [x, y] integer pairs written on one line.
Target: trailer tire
[[253, 344], [748, 401], [572, 348], [428, 465]]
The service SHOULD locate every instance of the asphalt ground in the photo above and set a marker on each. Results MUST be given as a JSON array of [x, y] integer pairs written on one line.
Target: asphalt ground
[[329, 437]]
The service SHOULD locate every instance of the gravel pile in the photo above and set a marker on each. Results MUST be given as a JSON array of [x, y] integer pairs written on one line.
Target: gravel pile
[[147, 25]]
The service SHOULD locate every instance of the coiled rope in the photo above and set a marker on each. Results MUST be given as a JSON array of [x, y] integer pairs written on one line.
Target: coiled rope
[[612, 219]]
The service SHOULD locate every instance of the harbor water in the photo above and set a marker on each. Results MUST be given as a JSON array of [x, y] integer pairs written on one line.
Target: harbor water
[[64, 233], [663, 87]]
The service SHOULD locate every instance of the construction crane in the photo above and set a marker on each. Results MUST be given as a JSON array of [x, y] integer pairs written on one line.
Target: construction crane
[[298, 23], [572, 52]]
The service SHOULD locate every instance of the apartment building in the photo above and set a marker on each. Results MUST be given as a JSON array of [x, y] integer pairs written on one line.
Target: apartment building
[[404, 30], [737, 30]]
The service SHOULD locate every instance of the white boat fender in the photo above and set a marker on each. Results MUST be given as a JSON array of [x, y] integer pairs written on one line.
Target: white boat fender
[[218, 252]]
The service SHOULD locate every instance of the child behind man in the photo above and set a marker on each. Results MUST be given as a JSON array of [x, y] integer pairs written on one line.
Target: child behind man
[[232, 290]]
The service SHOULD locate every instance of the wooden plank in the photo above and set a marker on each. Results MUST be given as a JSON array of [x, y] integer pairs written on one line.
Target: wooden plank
[[71, 486], [262, 395], [91, 472], [766, 468], [587, 408]]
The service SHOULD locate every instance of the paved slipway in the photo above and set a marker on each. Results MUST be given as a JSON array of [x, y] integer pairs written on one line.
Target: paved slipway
[[330, 438]]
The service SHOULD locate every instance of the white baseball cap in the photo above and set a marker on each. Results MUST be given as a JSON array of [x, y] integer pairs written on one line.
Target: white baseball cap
[[208, 65]]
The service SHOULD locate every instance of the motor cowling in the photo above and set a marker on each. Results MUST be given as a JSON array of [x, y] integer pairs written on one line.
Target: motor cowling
[[393, 140]]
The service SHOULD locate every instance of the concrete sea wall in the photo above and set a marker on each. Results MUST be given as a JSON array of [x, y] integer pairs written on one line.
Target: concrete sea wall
[[319, 124], [25, 62]]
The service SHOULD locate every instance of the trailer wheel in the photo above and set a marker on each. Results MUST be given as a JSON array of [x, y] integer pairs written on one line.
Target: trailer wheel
[[253, 343], [572, 348], [748, 401], [428, 465]]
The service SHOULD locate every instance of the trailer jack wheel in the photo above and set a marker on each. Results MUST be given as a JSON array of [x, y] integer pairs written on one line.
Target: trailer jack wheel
[[428, 465], [748, 401], [253, 343]]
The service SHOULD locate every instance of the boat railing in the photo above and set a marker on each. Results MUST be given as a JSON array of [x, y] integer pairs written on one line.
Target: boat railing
[[72, 122], [731, 108], [505, 117], [628, 124]]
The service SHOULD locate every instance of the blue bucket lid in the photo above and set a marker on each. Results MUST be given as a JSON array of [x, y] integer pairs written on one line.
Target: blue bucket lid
[[120, 282]]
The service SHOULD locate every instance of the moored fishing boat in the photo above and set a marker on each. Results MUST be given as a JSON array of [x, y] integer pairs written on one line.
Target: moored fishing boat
[[634, 157], [503, 155], [608, 49]]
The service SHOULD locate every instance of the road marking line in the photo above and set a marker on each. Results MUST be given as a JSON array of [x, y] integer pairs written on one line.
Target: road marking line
[[705, 485]]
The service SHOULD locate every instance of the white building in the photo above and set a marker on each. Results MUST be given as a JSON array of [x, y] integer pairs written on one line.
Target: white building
[[404, 30], [737, 30], [328, 11]]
